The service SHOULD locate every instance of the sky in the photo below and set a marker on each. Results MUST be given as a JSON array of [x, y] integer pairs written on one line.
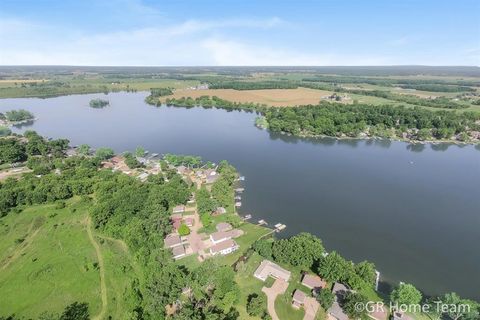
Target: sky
[[239, 33]]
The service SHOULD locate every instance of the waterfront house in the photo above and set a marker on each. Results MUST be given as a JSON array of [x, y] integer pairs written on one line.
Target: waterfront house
[[298, 299], [219, 211], [339, 291], [313, 282], [224, 247], [379, 313], [220, 236], [397, 315], [269, 269]]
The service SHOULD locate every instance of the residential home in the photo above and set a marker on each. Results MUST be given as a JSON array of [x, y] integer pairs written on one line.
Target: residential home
[[397, 315], [313, 282], [172, 240], [298, 298], [220, 236], [178, 252], [224, 247], [269, 269], [379, 313], [219, 211], [339, 290]]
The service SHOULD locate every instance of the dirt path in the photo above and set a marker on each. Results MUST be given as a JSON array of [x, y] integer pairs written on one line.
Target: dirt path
[[101, 264], [279, 287]]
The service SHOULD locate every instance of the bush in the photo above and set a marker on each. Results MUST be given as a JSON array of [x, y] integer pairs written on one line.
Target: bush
[[256, 304], [183, 230]]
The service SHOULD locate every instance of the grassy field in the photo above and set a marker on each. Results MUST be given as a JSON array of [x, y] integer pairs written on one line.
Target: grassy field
[[46, 254], [271, 97]]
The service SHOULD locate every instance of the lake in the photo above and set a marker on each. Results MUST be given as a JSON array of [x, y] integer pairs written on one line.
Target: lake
[[413, 210]]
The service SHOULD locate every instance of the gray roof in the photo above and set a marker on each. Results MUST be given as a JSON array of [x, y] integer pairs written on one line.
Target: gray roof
[[224, 226], [172, 240], [299, 296], [178, 251]]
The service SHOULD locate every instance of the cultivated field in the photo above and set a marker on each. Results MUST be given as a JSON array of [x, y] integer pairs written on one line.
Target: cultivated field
[[271, 97]]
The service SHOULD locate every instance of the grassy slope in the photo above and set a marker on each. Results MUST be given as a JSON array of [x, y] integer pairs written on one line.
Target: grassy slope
[[57, 263]]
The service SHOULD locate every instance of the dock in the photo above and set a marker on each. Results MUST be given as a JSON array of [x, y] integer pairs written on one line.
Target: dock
[[248, 216], [240, 190], [262, 222], [238, 204], [279, 227]]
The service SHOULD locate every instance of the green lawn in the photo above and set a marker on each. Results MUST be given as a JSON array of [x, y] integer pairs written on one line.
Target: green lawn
[[46, 255]]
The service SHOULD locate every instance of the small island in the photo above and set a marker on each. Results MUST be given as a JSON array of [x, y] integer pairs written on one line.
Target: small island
[[99, 103], [13, 117]]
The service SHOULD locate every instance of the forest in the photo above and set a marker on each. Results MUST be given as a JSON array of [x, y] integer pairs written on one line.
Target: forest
[[383, 121]]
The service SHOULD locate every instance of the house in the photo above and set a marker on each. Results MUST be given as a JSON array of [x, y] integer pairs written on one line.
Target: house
[[223, 226], [298, 298], [172, 240], [269, 269], [181, 169], [379, 313], [179, 209], [224, 247], [143, 176], [219, 211], [211, 179], [178, 252], [313, 282], [397, 315], [220, 236], [189, 222], [339, 290]]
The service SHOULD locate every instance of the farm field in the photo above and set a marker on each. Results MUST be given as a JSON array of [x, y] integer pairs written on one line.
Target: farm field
[[270, 97], [47, 254]]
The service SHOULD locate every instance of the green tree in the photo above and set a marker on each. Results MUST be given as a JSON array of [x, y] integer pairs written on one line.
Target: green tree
[[84, 149], [140, 151], [104, 153], [325, 297], [350, 303], [366, 271], [76, 311], [301, 250], [256, 304], [460, 308], [406, 294], [183, 230], [333, 267]]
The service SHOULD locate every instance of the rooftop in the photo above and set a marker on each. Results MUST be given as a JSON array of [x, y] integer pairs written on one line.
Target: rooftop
[[313, 281], [172, 240], [178, 251], [299, 296], [268, 268], [223, 245], [219, 235]]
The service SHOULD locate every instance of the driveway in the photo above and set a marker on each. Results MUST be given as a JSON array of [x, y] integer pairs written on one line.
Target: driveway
[[311, 307], [278, 287]]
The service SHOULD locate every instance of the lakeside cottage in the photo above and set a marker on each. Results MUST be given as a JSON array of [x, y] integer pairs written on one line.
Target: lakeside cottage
[[224, 247], [219, 211], [298, 299], [269, 269], [223, 226], [313, 282], [339, 290]]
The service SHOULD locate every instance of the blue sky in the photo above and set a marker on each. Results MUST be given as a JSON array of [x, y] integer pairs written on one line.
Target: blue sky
[[180, 32]]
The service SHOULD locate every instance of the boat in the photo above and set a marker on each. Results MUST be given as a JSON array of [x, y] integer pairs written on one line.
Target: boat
[[239, 189]]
